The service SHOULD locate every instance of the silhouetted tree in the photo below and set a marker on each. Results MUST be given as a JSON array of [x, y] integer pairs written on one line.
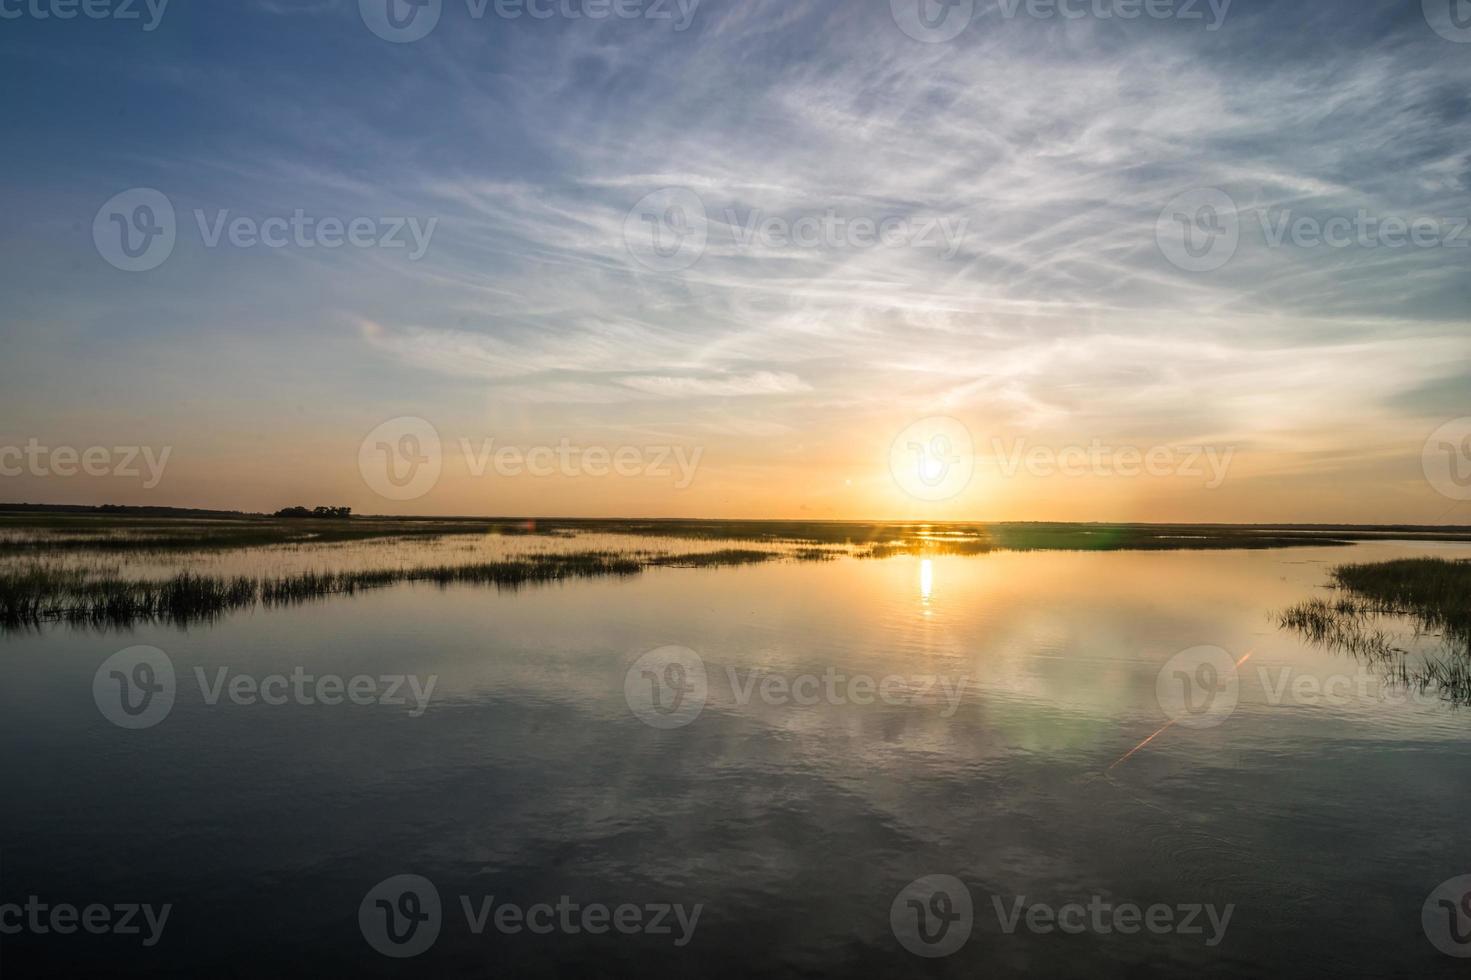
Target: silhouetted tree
[[331, 513]]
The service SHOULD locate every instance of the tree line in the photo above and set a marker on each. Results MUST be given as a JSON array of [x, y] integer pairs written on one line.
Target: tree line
[[334, 512]]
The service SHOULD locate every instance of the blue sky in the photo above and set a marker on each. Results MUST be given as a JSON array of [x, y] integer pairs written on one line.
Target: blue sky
[[1056, 317]]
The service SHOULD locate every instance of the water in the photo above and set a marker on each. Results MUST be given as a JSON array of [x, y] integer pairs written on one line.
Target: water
[[1017, 682]]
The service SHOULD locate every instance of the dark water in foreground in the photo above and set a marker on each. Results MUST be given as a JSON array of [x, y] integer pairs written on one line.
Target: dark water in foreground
[[1323, 817]]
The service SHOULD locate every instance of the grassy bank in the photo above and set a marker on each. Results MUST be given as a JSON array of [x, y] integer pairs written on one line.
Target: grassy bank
[[35, 534], [40, 593], [1433, 593], [1437, 592]]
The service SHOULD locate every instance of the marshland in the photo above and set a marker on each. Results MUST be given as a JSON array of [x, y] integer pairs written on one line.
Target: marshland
[[1410, 617], [1052, 640], [114, 568]]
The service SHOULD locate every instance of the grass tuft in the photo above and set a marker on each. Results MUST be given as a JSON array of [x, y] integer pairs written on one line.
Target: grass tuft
[[1434, 593]]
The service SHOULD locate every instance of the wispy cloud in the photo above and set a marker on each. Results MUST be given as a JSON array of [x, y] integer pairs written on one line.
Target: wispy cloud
[[1055, 145]]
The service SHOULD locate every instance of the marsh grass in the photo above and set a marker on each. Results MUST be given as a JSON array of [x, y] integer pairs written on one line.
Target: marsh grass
[[40, 593], [1436, 591], [511, 573], [817, 554], [1433, 593], [58, 563], [24, 534], [928, 546], [987, 539], [716, 559], [1342, 624], [1451, 675], [122, 537]]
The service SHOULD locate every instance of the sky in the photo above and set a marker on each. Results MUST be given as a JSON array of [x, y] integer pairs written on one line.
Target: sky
[[853, 259]]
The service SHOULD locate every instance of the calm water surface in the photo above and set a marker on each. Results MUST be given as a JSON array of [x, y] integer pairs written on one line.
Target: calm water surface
[[1325, 823]]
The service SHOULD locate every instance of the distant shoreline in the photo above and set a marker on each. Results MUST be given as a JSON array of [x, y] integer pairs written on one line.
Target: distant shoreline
[[127, 510], [63, 564]]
